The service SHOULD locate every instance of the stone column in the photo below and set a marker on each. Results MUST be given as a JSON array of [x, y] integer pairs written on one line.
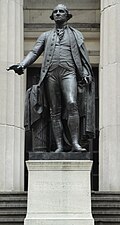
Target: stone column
[[109, 170], [11, 97]]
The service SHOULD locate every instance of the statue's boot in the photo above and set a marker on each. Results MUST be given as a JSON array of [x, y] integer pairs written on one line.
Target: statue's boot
[[58, 134], [73, 124]]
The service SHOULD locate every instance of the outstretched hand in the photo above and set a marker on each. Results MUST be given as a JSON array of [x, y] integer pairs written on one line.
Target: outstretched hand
[[17, 68]]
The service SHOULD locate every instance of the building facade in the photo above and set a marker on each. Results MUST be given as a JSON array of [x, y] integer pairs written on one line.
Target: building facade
[[21, 22]]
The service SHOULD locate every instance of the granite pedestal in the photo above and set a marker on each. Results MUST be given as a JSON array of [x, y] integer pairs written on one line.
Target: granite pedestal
[[59, 192]]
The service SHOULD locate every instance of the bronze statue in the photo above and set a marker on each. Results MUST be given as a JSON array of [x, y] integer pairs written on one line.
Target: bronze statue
[[66, 83]]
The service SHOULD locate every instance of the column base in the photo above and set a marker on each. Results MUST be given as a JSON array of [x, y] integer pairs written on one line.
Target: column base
[[59, 192]]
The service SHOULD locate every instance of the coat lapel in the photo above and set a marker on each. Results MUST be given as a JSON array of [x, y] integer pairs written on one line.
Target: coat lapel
[[75, 53], [48, 54]]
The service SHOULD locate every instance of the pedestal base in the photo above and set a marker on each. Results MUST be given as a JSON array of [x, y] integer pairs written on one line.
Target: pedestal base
[[59, 192], [54, 221]]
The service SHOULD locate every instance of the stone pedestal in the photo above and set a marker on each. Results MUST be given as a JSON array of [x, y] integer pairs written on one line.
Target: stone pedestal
[[59, 192]]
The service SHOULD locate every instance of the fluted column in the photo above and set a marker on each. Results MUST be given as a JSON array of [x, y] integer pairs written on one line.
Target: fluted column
[[109, 167], [11, 97]]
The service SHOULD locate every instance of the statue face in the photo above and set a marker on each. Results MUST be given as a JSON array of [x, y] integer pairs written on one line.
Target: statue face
[[59, 14]]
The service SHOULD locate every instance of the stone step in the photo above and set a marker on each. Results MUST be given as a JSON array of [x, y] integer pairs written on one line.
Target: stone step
[[12, 204], [105, 205], [12, 223], [105, 195], [15, 212], [106, 212], [13, 196], [103, 221], [12, 220]]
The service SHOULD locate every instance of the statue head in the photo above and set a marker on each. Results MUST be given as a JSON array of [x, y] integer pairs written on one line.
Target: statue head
[[60, 12]]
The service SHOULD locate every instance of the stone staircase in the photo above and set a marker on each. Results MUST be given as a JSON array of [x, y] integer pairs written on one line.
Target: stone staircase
[[105, 208], [13, 208]]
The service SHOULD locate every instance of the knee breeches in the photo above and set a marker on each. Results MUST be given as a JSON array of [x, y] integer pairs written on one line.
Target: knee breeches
[[61, 86]]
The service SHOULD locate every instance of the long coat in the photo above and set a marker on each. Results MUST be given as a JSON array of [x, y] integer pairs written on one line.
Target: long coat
[[86, 99]]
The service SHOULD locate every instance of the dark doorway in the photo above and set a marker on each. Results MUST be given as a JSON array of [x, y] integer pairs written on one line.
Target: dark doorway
[[33, 78]]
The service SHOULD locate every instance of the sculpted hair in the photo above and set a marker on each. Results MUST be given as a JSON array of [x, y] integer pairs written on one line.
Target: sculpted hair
[[69, 15]]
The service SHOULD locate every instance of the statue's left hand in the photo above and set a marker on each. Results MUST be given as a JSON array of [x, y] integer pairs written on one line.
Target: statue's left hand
[[87, 80], [17, 68]]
